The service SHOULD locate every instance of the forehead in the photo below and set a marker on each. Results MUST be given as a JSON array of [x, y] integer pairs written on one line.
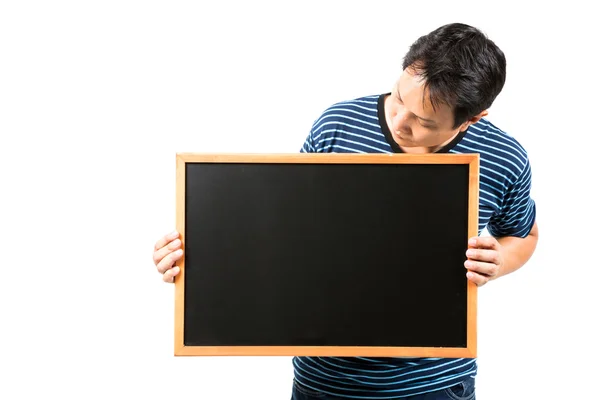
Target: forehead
[[416, 97], [409, 81]]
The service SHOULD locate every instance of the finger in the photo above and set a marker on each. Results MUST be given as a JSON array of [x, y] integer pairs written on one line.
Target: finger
[[162, 242], [168, 261], [170, 275], [161, 253], [482, 268], [490, 256], [484, 242], [477, 279]]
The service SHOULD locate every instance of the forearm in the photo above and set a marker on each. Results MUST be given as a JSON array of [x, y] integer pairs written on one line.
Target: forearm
[[516, 251]]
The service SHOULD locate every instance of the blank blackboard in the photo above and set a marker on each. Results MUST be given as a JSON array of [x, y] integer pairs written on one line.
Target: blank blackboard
[[326, 254]]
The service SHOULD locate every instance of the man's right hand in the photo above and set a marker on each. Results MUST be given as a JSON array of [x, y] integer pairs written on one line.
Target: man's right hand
[[167, 251]]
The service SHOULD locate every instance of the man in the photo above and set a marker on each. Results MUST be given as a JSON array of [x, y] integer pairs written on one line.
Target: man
[[450, 78]]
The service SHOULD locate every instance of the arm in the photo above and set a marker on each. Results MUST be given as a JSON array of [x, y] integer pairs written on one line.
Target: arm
[[514, 235], [490, 258], [517, 251]]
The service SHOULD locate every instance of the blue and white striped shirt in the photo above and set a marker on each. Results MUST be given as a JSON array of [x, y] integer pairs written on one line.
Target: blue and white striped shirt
[[505, 208]]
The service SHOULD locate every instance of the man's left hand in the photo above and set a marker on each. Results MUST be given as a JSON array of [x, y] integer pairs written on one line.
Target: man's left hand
[[484, 259]]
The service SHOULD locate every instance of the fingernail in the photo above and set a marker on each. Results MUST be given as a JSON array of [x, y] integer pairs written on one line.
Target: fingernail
[[472, 242], [173, 235], [470, 253], [179, 252]]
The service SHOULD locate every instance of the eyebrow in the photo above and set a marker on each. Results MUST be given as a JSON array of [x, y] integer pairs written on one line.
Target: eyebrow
[[424, 119]]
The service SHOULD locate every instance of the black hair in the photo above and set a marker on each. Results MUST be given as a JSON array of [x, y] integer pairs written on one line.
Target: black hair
[[461, 67]]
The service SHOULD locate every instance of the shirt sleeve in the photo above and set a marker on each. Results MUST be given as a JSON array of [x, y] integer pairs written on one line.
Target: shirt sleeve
[[308, 146], [517, 214]]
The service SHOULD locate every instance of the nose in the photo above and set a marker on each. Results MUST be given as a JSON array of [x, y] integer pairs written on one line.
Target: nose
[[400, 120]]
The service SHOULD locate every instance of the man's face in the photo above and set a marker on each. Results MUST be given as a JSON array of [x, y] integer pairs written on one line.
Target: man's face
[[413, 122]]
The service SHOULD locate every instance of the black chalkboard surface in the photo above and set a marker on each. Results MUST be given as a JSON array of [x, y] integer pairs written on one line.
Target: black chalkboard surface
[[326, 254]]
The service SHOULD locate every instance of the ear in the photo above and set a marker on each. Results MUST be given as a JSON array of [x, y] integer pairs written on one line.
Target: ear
[[473, 120]]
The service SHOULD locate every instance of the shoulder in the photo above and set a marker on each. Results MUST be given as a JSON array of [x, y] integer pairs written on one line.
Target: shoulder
[[366, 102], [498, 148], [348, 126], [361, 109], [358, 113]]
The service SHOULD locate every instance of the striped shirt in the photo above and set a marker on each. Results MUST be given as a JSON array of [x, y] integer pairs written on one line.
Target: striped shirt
[[505, 208]]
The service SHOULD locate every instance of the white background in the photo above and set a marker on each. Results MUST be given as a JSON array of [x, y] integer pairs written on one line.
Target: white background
[[96, 97]]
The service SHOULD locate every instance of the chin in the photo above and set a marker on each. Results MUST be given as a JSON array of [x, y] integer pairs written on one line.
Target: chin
[[403, 142]]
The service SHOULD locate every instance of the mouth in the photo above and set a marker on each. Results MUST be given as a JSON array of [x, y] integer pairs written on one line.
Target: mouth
[[401, 136]]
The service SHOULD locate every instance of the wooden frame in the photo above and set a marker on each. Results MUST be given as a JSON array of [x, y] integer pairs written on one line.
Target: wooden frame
[[471, 160]]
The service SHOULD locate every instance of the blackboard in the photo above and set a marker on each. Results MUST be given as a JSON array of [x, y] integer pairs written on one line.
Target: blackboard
[[326, 254]]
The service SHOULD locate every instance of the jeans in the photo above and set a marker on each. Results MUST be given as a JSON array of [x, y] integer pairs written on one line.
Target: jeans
[[465, 390]]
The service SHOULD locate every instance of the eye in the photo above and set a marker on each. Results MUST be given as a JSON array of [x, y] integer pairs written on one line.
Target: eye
[[425, 125]]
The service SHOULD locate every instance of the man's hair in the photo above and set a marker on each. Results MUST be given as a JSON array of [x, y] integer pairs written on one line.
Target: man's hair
[[460, 66]]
